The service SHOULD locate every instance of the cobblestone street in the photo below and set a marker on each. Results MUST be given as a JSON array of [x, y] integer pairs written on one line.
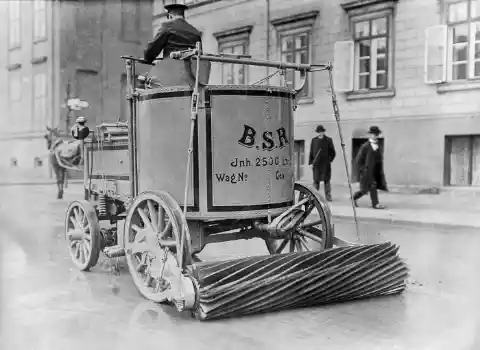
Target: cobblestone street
[[58, 307]]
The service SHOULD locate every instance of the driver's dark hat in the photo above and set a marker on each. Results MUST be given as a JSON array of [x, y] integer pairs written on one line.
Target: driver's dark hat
[[174, 4]]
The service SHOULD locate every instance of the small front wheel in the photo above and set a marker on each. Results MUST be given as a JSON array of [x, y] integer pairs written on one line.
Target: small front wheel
[[313, 232], [82, 231]]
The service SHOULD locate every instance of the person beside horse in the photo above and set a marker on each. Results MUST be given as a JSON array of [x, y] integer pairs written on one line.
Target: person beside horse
[[65, 155]]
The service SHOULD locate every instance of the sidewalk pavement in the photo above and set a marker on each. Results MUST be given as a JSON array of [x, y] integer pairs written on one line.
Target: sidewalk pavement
[[26, 177], [442, 210]]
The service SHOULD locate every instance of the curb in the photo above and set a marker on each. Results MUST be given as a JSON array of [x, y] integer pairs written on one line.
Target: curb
[[403, 222]]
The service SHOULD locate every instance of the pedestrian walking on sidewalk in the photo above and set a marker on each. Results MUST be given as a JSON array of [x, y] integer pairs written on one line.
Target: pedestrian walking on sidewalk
[[322, 154], [370, 167]]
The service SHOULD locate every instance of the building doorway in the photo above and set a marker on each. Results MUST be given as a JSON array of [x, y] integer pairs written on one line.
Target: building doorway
[[462, 160], [298, 158], [357, 142]]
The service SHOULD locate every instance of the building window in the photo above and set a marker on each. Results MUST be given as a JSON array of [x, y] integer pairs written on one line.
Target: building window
[[299, 158], [14, 40], [234, 42], [463, 19], [364, 64], [39, 20], [233, 73], [15, 105], [130, 18], [15, 92], [39, 100], [294, 43], [371, 53], [295, 48], [462, 160]]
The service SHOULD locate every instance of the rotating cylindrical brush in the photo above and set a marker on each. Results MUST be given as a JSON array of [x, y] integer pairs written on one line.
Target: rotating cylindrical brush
[[268, 283]]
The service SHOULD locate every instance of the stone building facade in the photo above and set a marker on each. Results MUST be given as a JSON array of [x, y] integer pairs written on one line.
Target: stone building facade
[[411, 67], [54, 49]]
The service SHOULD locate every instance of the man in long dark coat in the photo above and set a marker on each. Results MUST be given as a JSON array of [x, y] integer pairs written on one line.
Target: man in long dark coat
[[322, 154], [176, 34], [370, 167]]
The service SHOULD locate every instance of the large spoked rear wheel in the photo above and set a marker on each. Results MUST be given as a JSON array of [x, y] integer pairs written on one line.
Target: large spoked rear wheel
[[82, 231], [313, 232], [153, 229]]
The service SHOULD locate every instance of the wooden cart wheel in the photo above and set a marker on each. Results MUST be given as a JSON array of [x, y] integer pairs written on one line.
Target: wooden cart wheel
[[82, 231], [313, 232], [152, 233]]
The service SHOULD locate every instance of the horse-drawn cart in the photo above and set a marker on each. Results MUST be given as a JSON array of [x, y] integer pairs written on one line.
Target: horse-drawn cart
[[199, 164]]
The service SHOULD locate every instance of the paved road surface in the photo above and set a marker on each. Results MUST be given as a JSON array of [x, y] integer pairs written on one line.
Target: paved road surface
[[48, 305]]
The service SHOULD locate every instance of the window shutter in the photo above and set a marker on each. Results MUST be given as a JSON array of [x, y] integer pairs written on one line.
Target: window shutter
[[343, 59], [436, 54]]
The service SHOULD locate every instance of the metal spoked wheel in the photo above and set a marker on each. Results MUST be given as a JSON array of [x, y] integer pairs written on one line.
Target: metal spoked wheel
[[82, 231], [152, 244], [312, 229]]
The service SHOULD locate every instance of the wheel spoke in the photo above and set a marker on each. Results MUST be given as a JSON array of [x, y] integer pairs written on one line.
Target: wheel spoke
[[145, 219], [82, 256], [153, 213], [307, 234], [86, 251], [298, 245], [312, 223], [136, 228], [73, 221], [166, 230], [281, 247], [303, 243], [308, 210], [292, 245], [161, 219], [76, 213], [77, 251]]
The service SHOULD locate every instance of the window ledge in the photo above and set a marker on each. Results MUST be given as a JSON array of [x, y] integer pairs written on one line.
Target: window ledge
[[38, 60], [306, 101], [458, 86], [245, 30], [308, 17], [350, 5], [40, 40], [362, 95], [14, 66]]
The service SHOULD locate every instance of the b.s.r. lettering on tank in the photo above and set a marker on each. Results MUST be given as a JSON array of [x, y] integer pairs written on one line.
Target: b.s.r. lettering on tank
[[233, 178], [269, 140]]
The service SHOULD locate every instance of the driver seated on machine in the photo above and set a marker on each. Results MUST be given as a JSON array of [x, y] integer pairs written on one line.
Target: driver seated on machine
[[176, 34]]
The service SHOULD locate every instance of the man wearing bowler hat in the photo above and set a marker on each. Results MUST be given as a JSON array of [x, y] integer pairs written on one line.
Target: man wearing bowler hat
[[370, 167], [176, 34], [322, 154]]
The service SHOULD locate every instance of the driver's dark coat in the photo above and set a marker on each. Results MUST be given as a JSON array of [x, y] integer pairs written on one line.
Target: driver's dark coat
[[174, 35]]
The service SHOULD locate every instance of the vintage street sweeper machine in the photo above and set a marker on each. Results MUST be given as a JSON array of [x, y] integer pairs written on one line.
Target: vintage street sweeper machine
[[198, 164]]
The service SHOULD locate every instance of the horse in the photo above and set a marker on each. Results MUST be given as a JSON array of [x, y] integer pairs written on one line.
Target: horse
[[53, 140], [63, 156]]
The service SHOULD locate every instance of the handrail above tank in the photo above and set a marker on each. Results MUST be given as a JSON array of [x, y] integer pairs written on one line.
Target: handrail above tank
[[179, 55]]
